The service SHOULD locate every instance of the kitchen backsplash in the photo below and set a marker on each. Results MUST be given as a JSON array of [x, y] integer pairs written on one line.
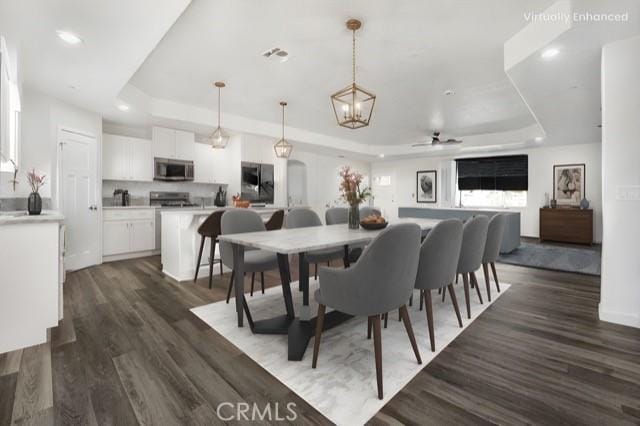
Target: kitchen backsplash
[[20, 203], [139, 191]]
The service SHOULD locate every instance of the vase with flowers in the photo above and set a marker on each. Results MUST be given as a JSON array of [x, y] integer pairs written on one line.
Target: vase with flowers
[[353, 193], [34, 202]]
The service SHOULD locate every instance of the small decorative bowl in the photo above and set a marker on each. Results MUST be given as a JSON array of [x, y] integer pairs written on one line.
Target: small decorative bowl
[[242, 203], [373, 226]]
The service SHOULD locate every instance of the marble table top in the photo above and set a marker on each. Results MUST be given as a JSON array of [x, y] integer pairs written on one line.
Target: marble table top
[[20, 217], [298, 240]]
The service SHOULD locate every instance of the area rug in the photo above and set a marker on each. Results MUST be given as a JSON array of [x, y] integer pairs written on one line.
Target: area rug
[[343, 386], [557, 258]]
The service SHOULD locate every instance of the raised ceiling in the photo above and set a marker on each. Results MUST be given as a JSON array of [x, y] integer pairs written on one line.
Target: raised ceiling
[[409, 53]]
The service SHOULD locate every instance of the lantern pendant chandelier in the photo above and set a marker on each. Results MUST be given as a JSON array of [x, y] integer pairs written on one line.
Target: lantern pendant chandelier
[[219, 139], [282, 147], [353, 105]]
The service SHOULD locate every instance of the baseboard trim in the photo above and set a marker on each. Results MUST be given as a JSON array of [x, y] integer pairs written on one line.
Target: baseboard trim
[[124, 256], [615, 317]]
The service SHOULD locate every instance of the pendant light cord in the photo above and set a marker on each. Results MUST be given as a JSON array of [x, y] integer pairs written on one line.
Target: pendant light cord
[[354, 56], [282, 122], [218, 107]]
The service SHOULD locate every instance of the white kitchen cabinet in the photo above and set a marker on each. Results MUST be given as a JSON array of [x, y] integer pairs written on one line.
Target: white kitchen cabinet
[[125, 158], [143, 235], [185, 145], [128, 233], [176, 144], [115, 238], [214, 165]]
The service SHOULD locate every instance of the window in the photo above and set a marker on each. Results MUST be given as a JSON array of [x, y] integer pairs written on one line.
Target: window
[[496, 182], [9, 114]]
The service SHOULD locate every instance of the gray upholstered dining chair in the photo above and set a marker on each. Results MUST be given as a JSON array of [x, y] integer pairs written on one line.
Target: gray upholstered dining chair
[[368, 211], [237, 221], [336, 215], [495, 233], [474, 238], [439, 256], [381, 281], [304, 218]]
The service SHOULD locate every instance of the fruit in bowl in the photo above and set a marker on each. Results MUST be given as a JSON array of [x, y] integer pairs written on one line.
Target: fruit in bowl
[[373, 221]]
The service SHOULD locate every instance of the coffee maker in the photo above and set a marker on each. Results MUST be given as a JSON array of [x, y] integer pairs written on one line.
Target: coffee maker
[[121, 197]]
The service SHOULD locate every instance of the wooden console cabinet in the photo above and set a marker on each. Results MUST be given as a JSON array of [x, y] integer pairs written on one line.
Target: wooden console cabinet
[[567, 225]]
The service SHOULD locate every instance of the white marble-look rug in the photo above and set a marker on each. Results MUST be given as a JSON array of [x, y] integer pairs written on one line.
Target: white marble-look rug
[[343, 386]]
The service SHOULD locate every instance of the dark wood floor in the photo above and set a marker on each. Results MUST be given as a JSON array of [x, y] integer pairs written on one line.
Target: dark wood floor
[[129, 351]]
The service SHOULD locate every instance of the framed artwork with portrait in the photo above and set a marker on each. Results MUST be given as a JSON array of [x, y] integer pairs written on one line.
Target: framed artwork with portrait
[[427, 186], [569, 184]]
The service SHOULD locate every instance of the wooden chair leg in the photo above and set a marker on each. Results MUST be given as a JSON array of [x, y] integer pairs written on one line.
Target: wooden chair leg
[[454, 300], [212, 254], [386, 319], [474, 282], [444, 294], [262, 281], [457, 276], [253, 281], [407, 325], [485, 270], [216, 241], [421, 299], [369, 325], [465, 280], [429, 308], [495, 276], [233, 274], [315, 274], [318, 336], [377, 346], [411, 300], [199, 259]]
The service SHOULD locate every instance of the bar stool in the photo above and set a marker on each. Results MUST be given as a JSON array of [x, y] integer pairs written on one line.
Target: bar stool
[[210, 228]]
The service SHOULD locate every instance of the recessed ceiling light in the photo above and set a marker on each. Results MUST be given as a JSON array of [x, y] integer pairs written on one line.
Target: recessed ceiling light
[[381, 155], [68, 37], [549, 53], [449, 92], [538, 138], [123, 107]]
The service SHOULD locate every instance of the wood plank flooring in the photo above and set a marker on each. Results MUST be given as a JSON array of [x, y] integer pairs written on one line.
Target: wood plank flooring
[[129, 352]]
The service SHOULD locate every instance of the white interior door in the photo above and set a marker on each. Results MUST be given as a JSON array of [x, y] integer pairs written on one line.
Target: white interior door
[[384, 189], [78, 189]]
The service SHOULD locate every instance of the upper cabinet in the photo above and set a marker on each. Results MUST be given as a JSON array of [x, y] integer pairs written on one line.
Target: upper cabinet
[[216, 165], [126, 158], [176, 144]]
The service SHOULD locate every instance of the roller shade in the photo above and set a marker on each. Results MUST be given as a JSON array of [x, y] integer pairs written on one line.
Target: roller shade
[[505, 173]]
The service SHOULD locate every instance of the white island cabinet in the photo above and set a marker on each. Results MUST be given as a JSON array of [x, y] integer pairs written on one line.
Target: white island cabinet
[[31, 273], [181, 242], [128, 232]]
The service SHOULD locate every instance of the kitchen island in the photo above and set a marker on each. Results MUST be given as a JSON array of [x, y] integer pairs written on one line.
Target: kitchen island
[[32, 273], [181, 241]]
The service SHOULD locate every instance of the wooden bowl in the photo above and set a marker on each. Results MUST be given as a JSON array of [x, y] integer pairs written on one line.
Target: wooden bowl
[[374, 226], [243, 204]]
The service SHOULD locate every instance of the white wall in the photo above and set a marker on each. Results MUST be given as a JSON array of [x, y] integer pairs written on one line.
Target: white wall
[[323, 177], [620, 289], [541, 162], [42, 115]]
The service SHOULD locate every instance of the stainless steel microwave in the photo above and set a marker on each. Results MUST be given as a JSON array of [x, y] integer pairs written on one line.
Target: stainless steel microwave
[[174, 170]]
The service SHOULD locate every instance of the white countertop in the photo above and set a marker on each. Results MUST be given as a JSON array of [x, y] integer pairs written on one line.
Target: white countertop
[[128, 207], [486, 209], [19, 217], [199, 211]]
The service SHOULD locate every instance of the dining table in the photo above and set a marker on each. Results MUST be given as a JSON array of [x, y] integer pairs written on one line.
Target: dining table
[[299, 328]]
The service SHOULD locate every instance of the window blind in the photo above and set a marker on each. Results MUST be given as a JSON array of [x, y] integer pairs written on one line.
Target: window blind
[[504, 173]]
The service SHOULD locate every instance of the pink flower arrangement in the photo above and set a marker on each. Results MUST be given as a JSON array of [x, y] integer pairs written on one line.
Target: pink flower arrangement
[[35, 181], [352, 193]]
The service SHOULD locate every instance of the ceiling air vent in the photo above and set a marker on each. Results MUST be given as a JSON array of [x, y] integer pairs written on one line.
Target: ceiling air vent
[[276, 53]]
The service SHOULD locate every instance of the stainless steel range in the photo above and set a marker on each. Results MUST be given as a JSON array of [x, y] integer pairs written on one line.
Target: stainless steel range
[[170, 199]]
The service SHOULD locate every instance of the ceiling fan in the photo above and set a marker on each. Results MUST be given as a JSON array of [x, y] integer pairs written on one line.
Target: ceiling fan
[[435, 140]]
